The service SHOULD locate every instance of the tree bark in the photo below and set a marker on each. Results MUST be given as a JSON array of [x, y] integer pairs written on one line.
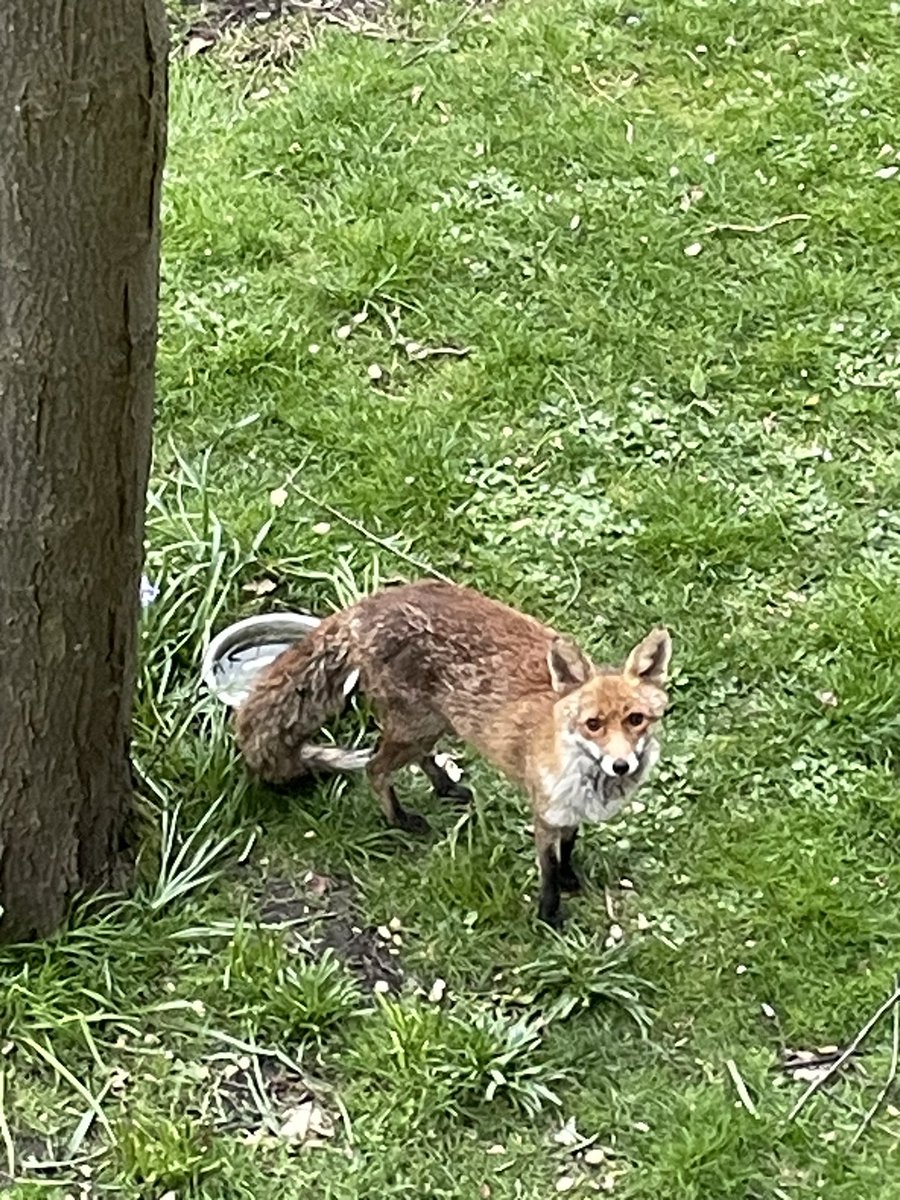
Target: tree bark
[[82, 135]]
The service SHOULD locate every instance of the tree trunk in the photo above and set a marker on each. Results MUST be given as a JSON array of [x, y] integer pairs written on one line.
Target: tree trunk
[[82, 132]]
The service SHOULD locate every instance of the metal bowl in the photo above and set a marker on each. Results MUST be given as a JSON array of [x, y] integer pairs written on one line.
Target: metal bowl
[[237, 654]]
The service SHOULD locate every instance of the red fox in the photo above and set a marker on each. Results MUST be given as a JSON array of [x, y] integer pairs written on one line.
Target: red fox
[[438, 659]]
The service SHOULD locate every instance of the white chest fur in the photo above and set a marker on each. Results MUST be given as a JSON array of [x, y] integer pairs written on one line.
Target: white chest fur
[[580, 791]]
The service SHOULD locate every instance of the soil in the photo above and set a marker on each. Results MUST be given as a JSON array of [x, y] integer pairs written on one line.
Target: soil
[[200, 24], [329, 919]]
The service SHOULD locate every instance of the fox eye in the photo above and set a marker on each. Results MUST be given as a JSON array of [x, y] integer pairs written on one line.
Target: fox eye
[[593, 724], [636, 718]]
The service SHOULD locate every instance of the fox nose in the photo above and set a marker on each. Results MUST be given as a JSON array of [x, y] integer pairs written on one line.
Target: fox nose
[[620, 766]]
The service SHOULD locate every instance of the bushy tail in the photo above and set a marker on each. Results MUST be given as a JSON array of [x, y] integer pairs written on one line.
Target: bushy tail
[[292, 699]]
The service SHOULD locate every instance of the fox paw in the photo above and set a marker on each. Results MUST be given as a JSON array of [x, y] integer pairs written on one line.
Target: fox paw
[[552, 917], [412, 822], [456, 793], [570, 882]]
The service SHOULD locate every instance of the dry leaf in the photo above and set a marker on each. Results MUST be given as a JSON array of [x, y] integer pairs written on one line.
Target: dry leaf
[[829, 699], [260, 587], [321, 528], [594, 1156], [374, 372], [308, 1120], [887, 172], [278, 498], [416, 94], [496, 1149], [197, 44], [567, 1134], [438, 988], [692, 196], [693, 250], [565, 1183]]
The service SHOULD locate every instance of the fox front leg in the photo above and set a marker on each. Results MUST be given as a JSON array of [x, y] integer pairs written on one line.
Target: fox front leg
[[547, 844], [569, 879]]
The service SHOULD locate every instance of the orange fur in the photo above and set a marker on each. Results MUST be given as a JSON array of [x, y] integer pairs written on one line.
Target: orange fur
[[435, 660]]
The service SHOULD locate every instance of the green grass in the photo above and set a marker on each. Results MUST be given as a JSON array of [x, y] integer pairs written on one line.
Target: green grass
[[636, 434]]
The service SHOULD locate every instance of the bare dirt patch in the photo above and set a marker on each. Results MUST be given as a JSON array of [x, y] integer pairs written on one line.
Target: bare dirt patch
[[325, 916], [268, 30]]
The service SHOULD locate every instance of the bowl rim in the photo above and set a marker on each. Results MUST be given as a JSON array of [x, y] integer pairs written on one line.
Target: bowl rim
[[304, 623]]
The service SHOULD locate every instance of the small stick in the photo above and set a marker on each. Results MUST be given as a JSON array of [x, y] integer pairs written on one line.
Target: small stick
[[891, 1002], [740, 1087], [729, 227], [888, 1083], [367, 533]]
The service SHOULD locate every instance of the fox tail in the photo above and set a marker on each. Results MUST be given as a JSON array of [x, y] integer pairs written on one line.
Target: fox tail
[[292, 699]]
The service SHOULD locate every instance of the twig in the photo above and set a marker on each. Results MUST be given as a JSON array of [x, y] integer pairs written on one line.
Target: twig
[[888, 1083], [864, 1032], [730, 227], [740, 1087], [368, 535], [797, 1062], [439, 41]]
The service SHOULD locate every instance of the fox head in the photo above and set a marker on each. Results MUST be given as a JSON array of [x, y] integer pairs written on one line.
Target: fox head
[[610, 713]]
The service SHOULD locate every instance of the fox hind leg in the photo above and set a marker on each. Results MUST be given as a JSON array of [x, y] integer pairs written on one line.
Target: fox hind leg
[[444, 787], [395, 751]]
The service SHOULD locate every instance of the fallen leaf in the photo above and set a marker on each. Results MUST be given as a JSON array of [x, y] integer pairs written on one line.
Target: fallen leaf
[[307, 1120], [594, 1156], [692, 196], [374, 372], [567, 1134], [887, 172], [436, 994], [278, 497], [829, 699], [197, 44], [321, 528], [260, 587], [693, 250], [415, 94], [565, 1183]]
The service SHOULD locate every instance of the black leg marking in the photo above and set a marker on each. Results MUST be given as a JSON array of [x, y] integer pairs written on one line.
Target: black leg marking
[[549, 907], [444, 786], [569, 880]]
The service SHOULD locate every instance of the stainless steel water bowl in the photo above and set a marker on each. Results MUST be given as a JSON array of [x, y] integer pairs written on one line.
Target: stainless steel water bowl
[[236, 655]]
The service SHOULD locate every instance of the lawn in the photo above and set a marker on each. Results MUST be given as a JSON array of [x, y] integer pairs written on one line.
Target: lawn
[[593, 307]]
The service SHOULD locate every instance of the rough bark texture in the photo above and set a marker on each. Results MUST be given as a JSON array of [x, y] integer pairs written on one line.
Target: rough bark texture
[[82, 129]]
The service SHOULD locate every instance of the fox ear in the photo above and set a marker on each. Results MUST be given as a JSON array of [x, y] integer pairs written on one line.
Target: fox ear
[[649, 660], [568, 667]]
